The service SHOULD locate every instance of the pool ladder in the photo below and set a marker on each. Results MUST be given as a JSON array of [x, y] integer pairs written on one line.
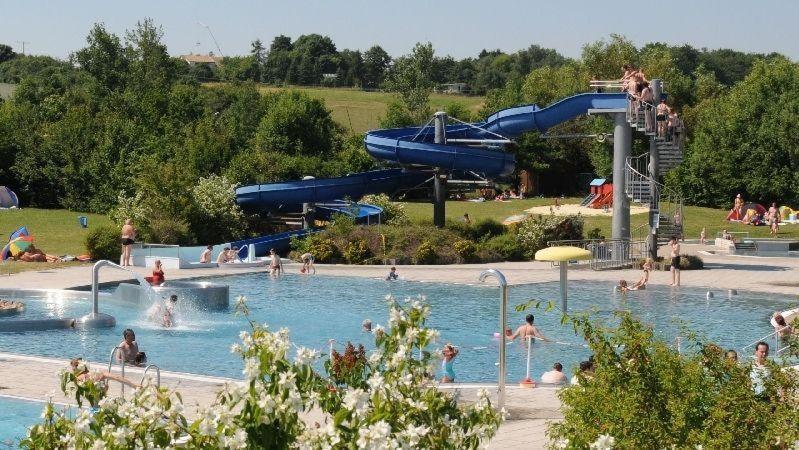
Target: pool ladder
[[157, 369]]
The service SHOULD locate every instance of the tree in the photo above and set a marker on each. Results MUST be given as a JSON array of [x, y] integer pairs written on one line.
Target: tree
[[411, 80], [258, 53], [375, 64], [743, 141], [603, 59], [104, 58], [295, 123], [278, 60], [6, 53]]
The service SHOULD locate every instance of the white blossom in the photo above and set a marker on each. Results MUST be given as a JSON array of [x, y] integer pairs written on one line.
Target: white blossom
[[356, 400], [252, 369], [603, 442], [305, 356], [375, 436]]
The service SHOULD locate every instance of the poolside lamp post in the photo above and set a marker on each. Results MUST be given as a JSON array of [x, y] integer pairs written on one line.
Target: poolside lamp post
[[503, 324], [563, 255]]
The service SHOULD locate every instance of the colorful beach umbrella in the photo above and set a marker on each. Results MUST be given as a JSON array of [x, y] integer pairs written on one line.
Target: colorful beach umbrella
[[16, 246]]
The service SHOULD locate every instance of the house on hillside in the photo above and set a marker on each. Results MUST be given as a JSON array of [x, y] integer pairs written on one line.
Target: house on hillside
[[453, 88], [207, 60]]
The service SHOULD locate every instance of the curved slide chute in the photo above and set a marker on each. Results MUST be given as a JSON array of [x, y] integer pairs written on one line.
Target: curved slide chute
[[415, 149], [415, 146]]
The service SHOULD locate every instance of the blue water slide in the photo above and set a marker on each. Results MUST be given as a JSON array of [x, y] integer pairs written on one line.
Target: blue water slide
[[415, 146], [263, 197], [280, 242], [361, 212]]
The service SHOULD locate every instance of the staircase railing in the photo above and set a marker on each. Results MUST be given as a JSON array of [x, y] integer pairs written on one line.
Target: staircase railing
[[664, 201]]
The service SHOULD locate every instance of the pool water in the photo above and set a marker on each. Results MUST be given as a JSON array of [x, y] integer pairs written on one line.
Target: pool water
[[18, 415], [317, 308]]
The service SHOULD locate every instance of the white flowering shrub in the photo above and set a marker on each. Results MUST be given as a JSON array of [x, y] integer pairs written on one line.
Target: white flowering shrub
[[218, 216], [395, 404], [393, 212], [130, 208]]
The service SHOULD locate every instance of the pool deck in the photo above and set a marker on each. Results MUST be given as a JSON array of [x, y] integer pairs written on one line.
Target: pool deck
[[530, 409], [759, 274]]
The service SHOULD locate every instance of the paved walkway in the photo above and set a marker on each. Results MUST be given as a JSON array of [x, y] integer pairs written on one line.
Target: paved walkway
[[530, 410]]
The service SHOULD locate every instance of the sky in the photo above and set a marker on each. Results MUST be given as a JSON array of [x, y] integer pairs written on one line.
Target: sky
[[459, 29]]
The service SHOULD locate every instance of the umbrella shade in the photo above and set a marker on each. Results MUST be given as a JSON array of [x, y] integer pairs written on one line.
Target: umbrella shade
[[756, 206], [564, 253], [19, 245]]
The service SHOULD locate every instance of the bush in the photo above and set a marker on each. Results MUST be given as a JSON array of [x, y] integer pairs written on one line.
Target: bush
[[535, 232], [393, 213], [505, 247], [643, 393], [465, 249], [486, 229], [425, 253], [218, 218], [322, 248], [691, 262], [595, 233], [170, 230], [103, 243], [356, 251]]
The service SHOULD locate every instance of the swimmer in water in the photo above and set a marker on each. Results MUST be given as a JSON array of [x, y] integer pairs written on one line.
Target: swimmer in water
[[622, 287], [367, 326], [169, 312], [528, 330], [449, 352]]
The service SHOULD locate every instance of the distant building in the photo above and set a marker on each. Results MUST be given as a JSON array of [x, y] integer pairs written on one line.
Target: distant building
[[453, 88], [207, 60], [330, 76]]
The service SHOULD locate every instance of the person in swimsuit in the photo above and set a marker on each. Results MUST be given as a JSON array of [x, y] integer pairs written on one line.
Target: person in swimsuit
[[449, 352], [127, 238], [129, 349], [703, 236], [222, 257], [82, 373], [168, 319], [307, 263], [392, 274], [663, 112], [275, 268], [158, 274], [528, 330], [205, 257], [647, 97], [675, 261], [641, 283]]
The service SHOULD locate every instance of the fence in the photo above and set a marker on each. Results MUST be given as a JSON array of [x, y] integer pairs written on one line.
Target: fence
[[607, 253]]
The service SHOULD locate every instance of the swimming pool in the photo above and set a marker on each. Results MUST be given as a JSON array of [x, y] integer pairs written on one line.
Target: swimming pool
[[317, 308], [18, 415]]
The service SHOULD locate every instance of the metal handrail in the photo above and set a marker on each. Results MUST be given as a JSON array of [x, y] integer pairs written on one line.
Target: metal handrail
[[777, 340], [157, 374], [606, 253], [122, 365]]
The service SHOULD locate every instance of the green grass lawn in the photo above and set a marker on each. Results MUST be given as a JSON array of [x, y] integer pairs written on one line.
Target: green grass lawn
[[360, 110], [423, 212], [55, 231], [695, 217]]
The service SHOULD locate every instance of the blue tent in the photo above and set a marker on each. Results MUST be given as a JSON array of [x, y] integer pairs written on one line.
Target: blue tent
[[8, 199]]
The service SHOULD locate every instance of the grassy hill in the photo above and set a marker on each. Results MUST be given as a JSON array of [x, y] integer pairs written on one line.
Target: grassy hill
[[360, 110], [55, 231]]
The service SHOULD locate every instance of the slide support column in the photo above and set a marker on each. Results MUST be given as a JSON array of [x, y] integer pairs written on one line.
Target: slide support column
[[440, 180], [622, 144], [654, 163]]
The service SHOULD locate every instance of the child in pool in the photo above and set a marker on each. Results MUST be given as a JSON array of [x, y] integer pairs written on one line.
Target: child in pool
[[449, 352]]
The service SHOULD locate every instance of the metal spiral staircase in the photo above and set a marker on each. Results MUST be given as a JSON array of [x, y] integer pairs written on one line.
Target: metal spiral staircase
[[642, 188]]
